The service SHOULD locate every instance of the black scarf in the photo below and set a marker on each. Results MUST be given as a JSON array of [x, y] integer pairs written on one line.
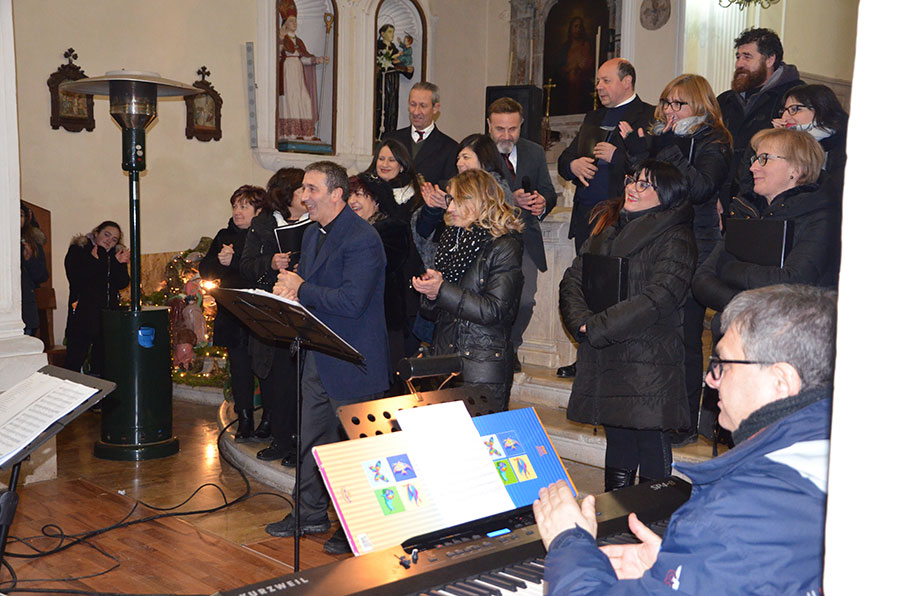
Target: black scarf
[[773, 412], [457, 249]]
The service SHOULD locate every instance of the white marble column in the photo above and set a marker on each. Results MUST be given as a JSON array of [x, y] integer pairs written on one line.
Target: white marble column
[[20, 355]]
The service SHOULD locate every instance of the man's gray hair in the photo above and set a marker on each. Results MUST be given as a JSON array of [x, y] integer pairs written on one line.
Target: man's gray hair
[[788, 323], [335, 176], [426, 86]]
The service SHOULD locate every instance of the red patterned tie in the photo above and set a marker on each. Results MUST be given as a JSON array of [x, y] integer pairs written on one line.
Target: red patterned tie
[[509, 164], [419, 132]]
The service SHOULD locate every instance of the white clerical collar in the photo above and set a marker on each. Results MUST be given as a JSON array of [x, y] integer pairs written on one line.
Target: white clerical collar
[[630, 99], [425, 132]]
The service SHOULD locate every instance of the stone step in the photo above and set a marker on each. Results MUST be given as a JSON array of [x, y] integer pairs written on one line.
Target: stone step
[[540, 388]]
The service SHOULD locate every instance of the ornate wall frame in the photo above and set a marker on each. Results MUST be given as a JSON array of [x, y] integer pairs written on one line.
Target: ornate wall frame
[[72, 111], [204, 111]]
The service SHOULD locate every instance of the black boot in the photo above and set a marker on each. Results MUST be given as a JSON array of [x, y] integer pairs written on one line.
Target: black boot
[[264, 430], [244, 430], [616, 478]]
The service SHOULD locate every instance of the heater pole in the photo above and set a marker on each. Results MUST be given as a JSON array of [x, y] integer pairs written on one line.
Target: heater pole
[[134, 221]]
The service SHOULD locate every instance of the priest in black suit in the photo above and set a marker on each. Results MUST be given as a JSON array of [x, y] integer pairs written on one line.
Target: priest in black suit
[[534, 194], [595, 159], [433, 152]]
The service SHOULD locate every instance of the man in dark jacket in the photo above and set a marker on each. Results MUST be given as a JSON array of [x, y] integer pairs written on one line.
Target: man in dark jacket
[[759, 82], [595, 159], [340, 281], [433, 152], [755, 522], [529, 179]]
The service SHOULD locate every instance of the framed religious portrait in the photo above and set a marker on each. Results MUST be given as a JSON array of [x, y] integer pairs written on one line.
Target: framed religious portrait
[[204, 111], [72, 111], [307, 71], [400, 42]]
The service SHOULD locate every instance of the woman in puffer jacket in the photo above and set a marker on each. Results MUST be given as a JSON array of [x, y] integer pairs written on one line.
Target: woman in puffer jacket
[[630, 376], [473, 291]]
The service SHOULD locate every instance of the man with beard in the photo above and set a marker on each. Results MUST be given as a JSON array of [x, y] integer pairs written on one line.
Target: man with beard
[[534, 194], [760, 80]]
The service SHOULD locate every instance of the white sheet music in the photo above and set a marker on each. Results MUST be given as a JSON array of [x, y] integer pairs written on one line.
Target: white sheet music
[[466, 482], [30, 407]]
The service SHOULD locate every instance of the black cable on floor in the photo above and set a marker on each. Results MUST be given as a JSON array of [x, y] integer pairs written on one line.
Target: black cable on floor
[[83, 537]]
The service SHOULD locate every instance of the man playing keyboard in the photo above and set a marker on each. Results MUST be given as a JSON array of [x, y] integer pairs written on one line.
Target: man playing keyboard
[[755, 522]]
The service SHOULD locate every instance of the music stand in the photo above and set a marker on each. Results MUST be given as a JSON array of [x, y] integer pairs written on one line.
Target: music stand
[[279, 319], [379, 416], [9, 499]]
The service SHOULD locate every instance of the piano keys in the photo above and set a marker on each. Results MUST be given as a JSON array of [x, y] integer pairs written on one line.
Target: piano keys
[[508, 562]]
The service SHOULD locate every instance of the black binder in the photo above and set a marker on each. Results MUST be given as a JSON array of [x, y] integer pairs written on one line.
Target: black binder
[[604, 280], [760, 241], [590, 135]]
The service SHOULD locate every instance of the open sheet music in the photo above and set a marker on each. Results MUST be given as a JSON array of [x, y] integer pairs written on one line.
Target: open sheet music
[[30, 407]]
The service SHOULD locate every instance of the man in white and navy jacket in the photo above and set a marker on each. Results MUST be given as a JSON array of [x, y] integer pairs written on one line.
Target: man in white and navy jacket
[[755, 522]]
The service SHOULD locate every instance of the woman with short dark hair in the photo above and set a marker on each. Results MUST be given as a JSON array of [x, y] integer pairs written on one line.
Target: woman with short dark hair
[[222, 262], [630, 375]]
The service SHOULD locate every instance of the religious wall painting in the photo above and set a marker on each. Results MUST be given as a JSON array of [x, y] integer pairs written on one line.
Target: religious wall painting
[[306, 32], [400, 42], [71, 111], [204, 111], [576, 39]]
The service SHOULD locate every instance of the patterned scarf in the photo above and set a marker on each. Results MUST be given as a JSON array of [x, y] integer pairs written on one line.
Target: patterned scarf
[[457, 249]]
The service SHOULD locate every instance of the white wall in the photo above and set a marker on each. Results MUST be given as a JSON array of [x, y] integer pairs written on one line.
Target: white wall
[[185, 190]]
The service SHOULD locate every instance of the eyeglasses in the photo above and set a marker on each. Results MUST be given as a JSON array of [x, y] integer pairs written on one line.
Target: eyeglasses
[[641, 185], [763, 158], [448, 198], [793, 109], [675, 105], [715, 365]]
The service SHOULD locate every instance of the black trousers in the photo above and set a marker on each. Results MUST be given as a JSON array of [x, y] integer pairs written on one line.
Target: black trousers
[[279, 395], [648, 451], [319, 425], [241, 376], [693, 356]]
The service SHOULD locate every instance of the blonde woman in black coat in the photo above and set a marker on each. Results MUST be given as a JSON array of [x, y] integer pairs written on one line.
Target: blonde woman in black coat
[[630, 375]]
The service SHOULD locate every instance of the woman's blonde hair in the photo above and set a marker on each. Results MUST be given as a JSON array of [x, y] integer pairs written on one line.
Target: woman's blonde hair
[[798, 147], [697, 93], [478, 191]]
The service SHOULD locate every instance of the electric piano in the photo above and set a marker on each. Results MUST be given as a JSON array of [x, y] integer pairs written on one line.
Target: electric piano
[[497, 556]]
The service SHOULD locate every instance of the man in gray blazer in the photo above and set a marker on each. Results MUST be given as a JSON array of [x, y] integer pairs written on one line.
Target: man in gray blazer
[[533, 191]]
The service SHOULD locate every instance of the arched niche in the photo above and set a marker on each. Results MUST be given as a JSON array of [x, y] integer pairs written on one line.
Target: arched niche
[[401, 45]]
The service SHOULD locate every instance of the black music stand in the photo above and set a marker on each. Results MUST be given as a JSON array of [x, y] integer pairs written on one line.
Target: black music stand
[[9, 499], [379, 416], [279, 319]]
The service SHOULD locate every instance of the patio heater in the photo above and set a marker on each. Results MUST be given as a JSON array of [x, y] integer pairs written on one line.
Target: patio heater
[[136, 423]]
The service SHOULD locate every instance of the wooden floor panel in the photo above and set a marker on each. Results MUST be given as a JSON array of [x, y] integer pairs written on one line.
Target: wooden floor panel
[[196, 554]]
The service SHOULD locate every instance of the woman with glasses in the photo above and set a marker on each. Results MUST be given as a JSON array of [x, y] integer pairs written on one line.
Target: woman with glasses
[[785, 167], [472, 293], [630, 375], [816, 110], [689, 134]]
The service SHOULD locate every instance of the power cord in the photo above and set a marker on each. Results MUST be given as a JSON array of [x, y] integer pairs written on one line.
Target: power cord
[[54, 531]]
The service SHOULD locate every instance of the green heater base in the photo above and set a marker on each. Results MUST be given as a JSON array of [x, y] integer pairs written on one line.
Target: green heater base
[[136, 420]]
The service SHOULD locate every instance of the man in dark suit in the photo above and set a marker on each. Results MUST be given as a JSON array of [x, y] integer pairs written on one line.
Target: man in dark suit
[[534, 194], [433, 152], [341, 281], [595, 159]]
